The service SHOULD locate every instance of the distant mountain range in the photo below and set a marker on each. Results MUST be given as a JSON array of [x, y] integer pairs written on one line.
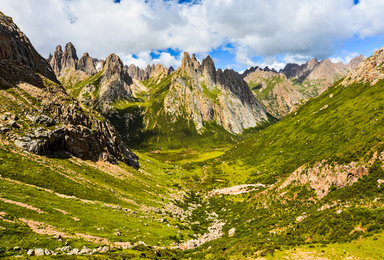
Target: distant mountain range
[[280, 91]]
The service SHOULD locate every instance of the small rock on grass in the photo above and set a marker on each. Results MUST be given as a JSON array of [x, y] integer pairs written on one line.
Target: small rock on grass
[[31, 252], [39, 252]]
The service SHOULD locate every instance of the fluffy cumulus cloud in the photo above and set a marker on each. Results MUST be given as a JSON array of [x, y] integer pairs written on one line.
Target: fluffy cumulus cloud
[[135, 29]]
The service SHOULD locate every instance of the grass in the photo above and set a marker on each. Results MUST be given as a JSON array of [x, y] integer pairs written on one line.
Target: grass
[[364, 248], [100, 202], [75, 90], [211, 94]]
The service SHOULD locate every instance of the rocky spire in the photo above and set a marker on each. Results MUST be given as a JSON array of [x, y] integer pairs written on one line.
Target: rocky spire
[[205, 94], [114, 67], [86, 64], [56, 59], [70, 59], [208, 67]]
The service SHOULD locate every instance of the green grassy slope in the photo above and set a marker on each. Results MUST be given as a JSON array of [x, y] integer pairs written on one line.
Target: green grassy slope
[[78, 196]]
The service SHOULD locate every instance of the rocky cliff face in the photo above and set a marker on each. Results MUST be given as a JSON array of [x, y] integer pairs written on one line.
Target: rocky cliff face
[[201, 93], [368, 71], [38, 115], [17, 53], [115, 83]]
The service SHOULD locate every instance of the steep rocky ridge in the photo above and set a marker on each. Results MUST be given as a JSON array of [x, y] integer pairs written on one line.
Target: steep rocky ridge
[[279, 92], [206, 94], [37, 113], [17, 54]]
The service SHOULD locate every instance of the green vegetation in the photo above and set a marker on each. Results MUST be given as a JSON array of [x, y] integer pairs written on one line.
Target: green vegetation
[[270, 83], [211, 94], [75, 89]]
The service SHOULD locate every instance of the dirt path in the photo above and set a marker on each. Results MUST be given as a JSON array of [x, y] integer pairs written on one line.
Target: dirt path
[[236, 190]]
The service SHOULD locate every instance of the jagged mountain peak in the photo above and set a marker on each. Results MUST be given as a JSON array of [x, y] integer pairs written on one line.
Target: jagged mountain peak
[[87, 64], [113, 65], [150, 70]]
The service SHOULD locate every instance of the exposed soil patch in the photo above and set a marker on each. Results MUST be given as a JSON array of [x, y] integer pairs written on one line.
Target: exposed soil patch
[[22, 205], [236, 190]]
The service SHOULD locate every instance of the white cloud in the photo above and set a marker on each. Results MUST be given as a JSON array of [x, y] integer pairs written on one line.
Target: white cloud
[[291, 28], [367, 18], [296, 58], [345, 58], [168, 60]]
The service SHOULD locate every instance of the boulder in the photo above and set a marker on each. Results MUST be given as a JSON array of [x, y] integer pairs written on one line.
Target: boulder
[[39, 252], [44, 120], [31, 252]]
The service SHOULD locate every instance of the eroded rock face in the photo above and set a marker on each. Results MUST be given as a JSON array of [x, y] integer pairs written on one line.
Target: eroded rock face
[[201, 93], [281, 98], [368, 71], [322, 176], [56, 122]]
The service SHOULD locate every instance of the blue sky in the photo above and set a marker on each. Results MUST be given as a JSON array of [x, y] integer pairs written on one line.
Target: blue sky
[[237, 34]]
